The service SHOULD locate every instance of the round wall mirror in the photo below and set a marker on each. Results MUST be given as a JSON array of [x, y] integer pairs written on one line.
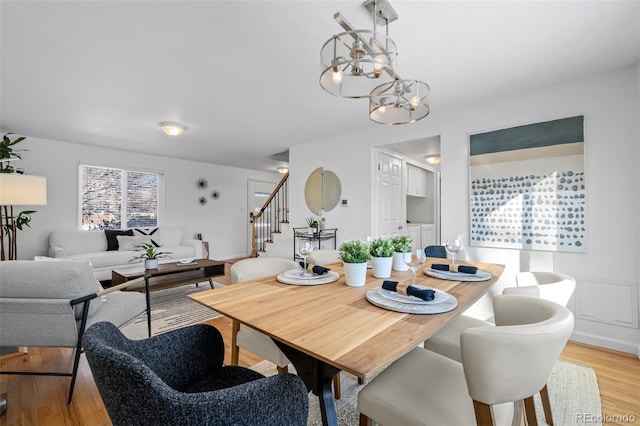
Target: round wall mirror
[[322, 191]]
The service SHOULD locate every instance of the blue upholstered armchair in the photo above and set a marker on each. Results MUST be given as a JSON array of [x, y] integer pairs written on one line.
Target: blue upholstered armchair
[[177, 378]]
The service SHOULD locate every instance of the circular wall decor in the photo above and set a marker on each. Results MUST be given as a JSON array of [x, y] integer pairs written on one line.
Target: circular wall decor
[[202, 183], [202, 200], [215, 195]]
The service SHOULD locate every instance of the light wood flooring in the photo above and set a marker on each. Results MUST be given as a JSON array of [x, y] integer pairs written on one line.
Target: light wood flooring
[[36, 400]]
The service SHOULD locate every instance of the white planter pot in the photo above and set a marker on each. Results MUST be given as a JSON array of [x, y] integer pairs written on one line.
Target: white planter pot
[[355, 274], [398, 263], [151, 263], [381, 266]]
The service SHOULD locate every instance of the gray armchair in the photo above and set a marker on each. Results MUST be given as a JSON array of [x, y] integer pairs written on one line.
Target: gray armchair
[[51, 303], [177, 378]]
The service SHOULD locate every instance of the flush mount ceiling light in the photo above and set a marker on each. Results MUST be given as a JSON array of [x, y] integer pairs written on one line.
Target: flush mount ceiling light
[[283, 170], [172, 128], [361, 64], [432, 159]]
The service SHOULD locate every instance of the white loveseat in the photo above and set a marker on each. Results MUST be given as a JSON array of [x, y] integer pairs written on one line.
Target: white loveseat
[[106, 256]]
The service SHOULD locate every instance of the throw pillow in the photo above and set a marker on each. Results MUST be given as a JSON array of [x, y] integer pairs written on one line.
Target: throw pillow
[[112, 241], [127, 243], [148, 232]]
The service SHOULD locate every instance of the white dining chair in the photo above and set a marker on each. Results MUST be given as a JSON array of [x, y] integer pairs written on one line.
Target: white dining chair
[[249, 338], [323, 257], [501, 366], [551, 286], [546, 285]]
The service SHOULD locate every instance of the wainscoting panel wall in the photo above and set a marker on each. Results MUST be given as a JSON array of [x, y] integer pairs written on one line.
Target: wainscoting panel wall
[[608, 302]]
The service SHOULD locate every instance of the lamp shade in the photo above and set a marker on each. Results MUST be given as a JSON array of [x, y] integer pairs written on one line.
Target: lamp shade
[[355, 62], [22, 190], [407, 102]]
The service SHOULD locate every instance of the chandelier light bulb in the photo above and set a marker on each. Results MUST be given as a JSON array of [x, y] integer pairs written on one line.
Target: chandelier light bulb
[[415, 101], [336, 75], [378, 64]]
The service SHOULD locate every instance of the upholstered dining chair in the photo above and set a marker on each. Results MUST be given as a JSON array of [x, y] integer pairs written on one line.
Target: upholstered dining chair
[[546, 285], [323, 257], [249, 338], [51, 303], [178, 378], [551, 286], [501, 365], [435, 251], [557, 288]]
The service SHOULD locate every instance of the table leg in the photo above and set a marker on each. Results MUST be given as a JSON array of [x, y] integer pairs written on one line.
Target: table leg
[[147, 296], [318, 377]]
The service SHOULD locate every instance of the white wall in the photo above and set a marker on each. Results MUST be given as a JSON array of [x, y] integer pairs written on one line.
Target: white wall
[[222, 222], [609, 103]]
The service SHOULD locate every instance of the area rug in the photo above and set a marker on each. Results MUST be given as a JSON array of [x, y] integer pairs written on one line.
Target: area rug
[[170, 309], [573, 392]]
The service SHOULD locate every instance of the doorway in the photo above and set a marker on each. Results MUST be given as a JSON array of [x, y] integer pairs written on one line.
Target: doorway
[[420, 209], [257, 194]]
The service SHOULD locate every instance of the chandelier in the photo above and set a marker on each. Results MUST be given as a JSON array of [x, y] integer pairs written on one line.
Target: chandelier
[[361, 64]]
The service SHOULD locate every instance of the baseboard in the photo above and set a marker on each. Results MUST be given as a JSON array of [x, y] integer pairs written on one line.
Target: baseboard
[[606, 342]]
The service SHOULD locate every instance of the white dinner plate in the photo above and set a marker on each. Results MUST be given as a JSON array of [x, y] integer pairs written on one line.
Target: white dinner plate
[[480, 275], [439, 297], [327, 278], [297, 274]]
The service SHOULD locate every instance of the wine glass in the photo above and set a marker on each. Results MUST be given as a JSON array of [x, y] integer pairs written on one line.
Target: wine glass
[[415, 261], [304, 249], [454, 247]]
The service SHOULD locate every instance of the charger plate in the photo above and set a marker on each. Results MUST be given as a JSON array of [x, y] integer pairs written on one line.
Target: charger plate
[[480, 275], [327, 278], [375, 298]]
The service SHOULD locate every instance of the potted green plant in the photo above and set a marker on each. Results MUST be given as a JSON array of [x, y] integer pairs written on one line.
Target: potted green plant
[[312, 223], [402, 249], [381, 251], [150, 254], [354, 255]]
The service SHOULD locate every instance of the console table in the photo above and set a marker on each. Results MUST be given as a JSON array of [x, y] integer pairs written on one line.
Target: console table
[[328, 234]]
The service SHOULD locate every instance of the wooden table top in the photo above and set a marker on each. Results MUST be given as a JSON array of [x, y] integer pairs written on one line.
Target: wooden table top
[[335, 323]]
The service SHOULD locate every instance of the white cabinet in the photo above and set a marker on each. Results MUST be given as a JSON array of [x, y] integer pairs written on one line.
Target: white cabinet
[[416, 181], [421, 235], [414, 233], [428, 235]]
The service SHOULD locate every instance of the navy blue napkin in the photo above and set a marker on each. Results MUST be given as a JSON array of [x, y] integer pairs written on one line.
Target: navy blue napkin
[[455, 268], [426, 294], [318, 270]]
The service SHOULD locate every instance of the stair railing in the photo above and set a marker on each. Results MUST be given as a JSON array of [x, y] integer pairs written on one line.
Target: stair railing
[[267, 221]]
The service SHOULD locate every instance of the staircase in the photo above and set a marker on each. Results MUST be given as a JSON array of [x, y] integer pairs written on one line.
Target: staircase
[[271, 218]]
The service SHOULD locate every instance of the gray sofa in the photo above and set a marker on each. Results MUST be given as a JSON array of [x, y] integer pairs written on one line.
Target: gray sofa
[[107, 251]]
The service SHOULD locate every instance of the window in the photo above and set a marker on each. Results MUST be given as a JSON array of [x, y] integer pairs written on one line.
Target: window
[[114, 198]]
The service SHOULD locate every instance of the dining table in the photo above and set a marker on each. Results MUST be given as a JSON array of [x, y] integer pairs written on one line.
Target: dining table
[[327, 328]]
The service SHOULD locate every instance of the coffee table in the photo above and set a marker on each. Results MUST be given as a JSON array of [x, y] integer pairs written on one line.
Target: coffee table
[[169, 275]]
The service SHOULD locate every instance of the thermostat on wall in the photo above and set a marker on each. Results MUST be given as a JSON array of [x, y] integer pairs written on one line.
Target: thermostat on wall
[[344, 202]]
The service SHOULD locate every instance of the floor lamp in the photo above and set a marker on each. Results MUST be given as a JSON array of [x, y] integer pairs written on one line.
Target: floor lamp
[[17, 189]]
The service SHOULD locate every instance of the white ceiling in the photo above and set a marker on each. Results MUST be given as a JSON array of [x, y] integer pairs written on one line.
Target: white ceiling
[[244, 75]]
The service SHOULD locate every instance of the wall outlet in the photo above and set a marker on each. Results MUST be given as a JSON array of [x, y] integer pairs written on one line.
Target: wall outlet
[[344, 202]]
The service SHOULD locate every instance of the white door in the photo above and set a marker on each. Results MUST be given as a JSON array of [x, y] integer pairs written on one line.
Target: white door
[[258, 193], [389, 195]]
